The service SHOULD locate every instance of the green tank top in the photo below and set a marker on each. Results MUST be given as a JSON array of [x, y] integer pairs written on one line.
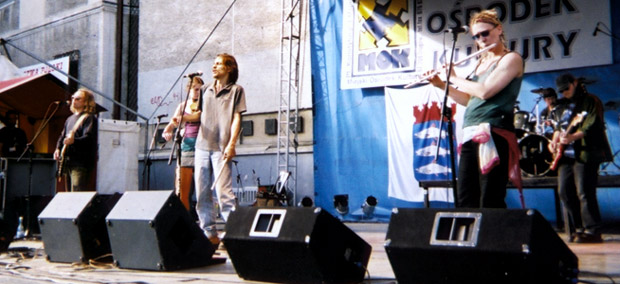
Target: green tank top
[[498, 111]]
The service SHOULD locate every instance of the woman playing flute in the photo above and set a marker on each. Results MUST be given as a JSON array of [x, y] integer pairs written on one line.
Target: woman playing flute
[[489, 95]]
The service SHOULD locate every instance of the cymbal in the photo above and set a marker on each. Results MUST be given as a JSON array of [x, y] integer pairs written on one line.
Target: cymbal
[[545, 92], [538, 91], [612, 105], [587, 81]]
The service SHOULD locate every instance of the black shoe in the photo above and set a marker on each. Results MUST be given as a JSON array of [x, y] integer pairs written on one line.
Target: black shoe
[[586, 238], [573, 237]]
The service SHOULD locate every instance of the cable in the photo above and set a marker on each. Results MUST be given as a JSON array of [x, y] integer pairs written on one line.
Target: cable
[[593, 274], [192, 59]]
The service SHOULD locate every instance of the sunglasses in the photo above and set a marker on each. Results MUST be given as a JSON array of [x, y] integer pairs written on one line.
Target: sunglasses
[[482, 34]]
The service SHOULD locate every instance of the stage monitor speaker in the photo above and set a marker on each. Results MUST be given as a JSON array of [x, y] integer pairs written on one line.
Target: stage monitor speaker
[[294, 245], [152, 230], [477, 246], [73, 226]]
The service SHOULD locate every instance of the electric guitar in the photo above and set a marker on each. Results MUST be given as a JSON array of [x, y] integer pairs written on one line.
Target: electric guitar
[[61, 160], [562, 147]]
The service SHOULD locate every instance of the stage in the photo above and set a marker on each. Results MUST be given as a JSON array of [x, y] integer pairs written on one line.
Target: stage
[[26, 264]]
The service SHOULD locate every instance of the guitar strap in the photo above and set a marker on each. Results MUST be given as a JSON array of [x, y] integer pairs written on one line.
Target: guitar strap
[[71, 133], [77, 124]]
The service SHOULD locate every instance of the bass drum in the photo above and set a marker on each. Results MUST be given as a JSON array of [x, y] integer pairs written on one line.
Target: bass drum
[[535, 156]]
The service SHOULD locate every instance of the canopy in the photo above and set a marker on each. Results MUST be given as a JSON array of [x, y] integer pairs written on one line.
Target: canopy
[[35, 96], [8, 70]]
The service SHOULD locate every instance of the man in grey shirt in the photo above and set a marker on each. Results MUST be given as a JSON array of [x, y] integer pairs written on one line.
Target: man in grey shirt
[[223, 101]]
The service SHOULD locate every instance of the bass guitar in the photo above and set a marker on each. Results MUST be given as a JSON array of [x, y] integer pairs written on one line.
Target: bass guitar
[[61, 161], [71, 134], [562, 147]]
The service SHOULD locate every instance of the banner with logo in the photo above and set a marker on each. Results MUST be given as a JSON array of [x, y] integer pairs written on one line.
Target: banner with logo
[[390, 42], [413, 123], [41, 68]]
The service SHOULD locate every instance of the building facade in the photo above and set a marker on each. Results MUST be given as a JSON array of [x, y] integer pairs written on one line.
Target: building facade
[[136, 59]]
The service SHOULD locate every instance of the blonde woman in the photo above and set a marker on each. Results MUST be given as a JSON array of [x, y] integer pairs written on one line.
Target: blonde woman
[[489, 94]]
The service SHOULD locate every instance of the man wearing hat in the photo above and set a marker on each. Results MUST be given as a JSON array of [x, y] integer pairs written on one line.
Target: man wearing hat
[[550, 115], [578, 173]]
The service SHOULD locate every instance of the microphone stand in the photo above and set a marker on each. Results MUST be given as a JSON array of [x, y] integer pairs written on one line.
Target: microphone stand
[[177, 133], [606, 33], [29, 149], [147, 159], [446, 117], [535, 110]]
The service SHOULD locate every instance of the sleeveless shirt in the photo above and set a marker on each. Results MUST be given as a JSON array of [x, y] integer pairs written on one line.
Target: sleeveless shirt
[[497, 110]]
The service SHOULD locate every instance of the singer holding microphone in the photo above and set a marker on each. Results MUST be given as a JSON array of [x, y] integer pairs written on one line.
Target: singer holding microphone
[[489, 94], [190, 123]]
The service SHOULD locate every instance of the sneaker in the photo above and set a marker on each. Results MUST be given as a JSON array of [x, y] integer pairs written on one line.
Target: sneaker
[[586, 238]]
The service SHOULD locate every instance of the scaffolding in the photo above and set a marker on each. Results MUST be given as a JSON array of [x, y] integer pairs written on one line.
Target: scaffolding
[[288, 110]]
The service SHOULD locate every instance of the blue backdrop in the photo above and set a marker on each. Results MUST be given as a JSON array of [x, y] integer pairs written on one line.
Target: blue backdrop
[[350, 152]]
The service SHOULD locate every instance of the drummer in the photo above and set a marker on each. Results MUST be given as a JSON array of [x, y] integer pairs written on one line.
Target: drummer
[[549, 115]]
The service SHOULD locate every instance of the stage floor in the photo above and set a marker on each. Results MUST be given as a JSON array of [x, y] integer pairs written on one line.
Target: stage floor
[[25, 263]]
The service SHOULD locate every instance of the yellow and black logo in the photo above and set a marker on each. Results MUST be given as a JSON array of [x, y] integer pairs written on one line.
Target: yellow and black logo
[[384, 25], [384, 36]]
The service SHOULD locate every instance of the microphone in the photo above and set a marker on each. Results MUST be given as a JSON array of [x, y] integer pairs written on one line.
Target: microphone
[[458, 30], [596, 29], [162, 115], [61, 103], [190, 75]]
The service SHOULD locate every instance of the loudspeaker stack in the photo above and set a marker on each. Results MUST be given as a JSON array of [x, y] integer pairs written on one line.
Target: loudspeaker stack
[[477, 246], [152, 230], [73, 226], [294, 245]]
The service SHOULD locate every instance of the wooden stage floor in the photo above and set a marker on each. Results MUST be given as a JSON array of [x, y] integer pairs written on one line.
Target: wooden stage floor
[[25, 263]]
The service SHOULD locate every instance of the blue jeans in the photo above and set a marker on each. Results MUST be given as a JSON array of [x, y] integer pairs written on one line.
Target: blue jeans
[[207, 167]]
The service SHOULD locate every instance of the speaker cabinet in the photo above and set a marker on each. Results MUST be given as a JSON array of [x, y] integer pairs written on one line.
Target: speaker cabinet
[[73, 226], [152, 230], [294, 245], [477, 246]]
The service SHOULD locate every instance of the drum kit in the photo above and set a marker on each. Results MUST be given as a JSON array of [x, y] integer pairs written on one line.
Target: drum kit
[[533, 140]]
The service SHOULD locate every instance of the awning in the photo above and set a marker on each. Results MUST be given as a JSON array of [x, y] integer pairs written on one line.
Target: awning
[[35, 96]]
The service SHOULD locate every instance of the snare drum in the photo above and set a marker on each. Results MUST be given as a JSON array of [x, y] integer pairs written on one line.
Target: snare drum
[[535, 156], [522, 123]]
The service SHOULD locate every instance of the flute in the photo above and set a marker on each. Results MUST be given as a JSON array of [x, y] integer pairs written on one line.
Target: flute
[[457, 63]]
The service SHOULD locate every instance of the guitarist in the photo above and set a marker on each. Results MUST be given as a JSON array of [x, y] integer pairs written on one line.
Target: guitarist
[[76, 149], [578, 173]]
